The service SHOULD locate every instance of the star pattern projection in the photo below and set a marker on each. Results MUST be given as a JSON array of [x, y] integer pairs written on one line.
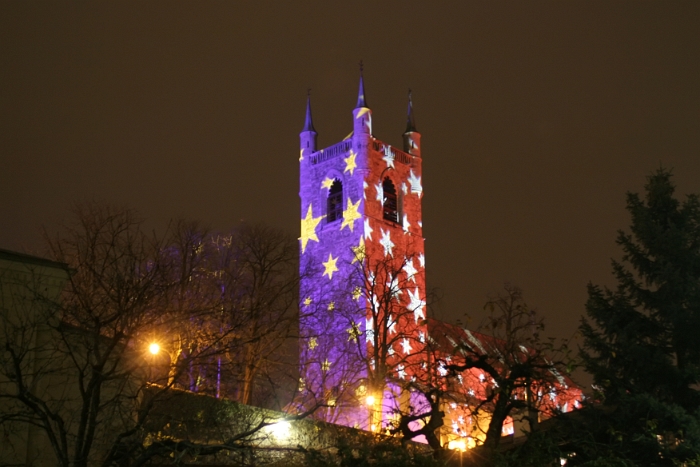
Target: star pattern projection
[[313, 343], [351, 214], [308, 228], [388, 157], [386, 242], [410, 270], [368, 231], [380, 192], [330, 266], [359, 252], [350, 164], [416, 305], [415, 184], [394, 242]]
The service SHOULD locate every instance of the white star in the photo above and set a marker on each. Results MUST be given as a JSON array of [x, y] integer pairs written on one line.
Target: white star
[[421, 258], [421, 337], [390, 351], [416, 305], [368, 230], [442, 370], [415, 184], [392, 325], [394, 289], [401, 372], [406, 346], [410, 270], [380, 192], [364, 190], [369, 330], [371, 363], [388, 157], [386, 242], [406, 225], [404, 188]]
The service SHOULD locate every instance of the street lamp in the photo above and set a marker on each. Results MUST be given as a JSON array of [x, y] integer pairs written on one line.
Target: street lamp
[[154, 348]]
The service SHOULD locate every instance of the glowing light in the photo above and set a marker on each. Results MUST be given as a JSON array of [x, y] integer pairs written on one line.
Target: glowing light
[[281, 429], [154, 348], [313, 343], [457, 445], [370, 401]]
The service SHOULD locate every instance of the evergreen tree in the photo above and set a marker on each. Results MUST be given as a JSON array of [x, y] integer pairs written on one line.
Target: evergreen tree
[[641, 339]]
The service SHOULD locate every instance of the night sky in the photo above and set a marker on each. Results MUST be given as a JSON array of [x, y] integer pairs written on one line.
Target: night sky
[[536, 118]]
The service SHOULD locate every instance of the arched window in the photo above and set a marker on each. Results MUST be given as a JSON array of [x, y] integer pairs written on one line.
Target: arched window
[[335, 201], [391, 206]]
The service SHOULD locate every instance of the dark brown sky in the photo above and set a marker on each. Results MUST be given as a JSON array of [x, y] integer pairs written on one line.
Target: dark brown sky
[[536, 118]]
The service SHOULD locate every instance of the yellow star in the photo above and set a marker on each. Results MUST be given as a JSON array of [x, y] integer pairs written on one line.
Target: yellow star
[[313, 343], [358, 252], [350, 164], [356, 293], [307, 301], [308, 229], [326, 365], [331, 306], [301, 155], [327, 183], [330, 266], [353, 332], [362, 111], [350, 214]]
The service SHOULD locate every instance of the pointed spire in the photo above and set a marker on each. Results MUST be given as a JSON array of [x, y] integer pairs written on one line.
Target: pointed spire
[[410, 120], [308, 122], [361, 101]]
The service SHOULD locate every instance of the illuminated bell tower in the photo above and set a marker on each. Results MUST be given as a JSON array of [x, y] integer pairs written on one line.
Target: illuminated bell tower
[[361, 231]]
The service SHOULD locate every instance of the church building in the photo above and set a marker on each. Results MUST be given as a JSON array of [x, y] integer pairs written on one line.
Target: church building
[[366, 351]]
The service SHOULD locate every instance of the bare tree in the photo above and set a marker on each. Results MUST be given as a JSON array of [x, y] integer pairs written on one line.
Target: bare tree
[[90, 385], [508, 369]]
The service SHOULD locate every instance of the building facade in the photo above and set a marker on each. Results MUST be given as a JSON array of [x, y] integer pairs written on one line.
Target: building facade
[[362, 267]]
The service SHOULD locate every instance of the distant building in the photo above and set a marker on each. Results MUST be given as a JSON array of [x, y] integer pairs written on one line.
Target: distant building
[[26, 282]]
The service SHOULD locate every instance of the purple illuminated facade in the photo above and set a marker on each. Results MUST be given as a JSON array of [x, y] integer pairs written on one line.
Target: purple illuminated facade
[[362, 265]]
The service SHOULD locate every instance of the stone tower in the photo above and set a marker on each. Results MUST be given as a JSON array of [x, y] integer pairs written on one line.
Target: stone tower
[[362, 268]]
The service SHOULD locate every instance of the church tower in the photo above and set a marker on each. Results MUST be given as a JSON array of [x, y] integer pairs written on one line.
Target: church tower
[[362, 267]]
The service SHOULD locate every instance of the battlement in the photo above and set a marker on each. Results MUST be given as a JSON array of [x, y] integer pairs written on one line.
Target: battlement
[[343, 149]]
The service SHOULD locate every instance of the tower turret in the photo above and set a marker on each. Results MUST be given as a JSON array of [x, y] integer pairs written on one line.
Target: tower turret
[[307, 137], [362, 114], [411, 137]]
